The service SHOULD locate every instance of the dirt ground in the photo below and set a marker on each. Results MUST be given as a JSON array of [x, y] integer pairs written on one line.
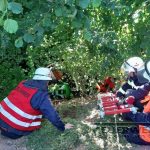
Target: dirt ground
[[8, 144]]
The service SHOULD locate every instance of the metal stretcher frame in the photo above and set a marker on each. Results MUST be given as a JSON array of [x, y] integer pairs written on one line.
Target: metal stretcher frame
[[108, 104]]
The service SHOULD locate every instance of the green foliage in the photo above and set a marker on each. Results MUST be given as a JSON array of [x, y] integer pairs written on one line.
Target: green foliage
[[19, 42], [84, 3], [1, 21], [96, 3], [11, 26], [86, 39], [16, 8], [3, 5], [59, 12], [9, 78], [87, 35], [28, 38]]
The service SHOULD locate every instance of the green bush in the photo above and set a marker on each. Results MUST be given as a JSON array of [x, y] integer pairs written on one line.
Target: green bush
[[10, 76], [85, 39]]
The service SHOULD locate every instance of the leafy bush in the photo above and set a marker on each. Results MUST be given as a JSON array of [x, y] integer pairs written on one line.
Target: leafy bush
[[9, 77], [86, 39]]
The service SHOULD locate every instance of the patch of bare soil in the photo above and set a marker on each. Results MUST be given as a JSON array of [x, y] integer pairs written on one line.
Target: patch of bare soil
[[69, 113], [9, 144]]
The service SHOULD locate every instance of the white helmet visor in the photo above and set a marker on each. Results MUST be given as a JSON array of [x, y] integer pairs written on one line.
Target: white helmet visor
[[143, 75], [126, 68], [133, 64]]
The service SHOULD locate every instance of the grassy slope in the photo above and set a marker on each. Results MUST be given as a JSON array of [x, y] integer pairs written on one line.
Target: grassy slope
[[84, 136]]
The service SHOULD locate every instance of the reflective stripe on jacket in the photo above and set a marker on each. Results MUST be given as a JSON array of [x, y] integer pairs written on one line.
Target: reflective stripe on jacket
[[130, 84], [16, 109]]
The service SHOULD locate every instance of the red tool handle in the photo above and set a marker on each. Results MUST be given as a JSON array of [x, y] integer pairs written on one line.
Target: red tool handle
[[125, 110], [109, 103], [106, 98], [110, 108]]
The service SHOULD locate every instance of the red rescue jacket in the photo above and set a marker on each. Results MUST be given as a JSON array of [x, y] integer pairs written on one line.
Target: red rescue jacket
[[16, 109]]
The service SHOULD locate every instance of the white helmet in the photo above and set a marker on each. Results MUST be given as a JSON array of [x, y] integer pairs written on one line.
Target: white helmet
[[42, 74], [133, 64], [144, 73]]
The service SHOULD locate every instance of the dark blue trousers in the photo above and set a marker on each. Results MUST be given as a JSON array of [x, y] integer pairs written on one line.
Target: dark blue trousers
[[10, 134], [132, 136]]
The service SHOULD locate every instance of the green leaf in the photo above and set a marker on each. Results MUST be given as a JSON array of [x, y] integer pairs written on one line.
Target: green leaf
[[145, 44], [39, 30], [11, 26], [19, 42], [77, 23], [96, 3], [3, 5], [69, 2], [28, 38], [73, 14], [87, 35], [86, 22], [59, 12], [16, 8], [84, 3], [1, 21], [38, 40], [46, 22]]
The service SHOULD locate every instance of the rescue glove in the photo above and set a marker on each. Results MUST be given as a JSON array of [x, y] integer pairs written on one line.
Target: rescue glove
[[134, 110], [101, 114], [69, 126]]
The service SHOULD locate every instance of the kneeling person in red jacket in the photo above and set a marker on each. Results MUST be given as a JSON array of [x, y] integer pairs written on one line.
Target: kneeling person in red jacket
[[22, 110]]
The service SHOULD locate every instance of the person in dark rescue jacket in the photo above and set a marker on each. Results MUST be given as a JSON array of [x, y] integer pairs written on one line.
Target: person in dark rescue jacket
[[141, 134], [131, 68], [22, 110]]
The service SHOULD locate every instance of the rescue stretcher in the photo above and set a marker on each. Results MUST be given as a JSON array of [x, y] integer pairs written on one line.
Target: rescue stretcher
[[109, 104]]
